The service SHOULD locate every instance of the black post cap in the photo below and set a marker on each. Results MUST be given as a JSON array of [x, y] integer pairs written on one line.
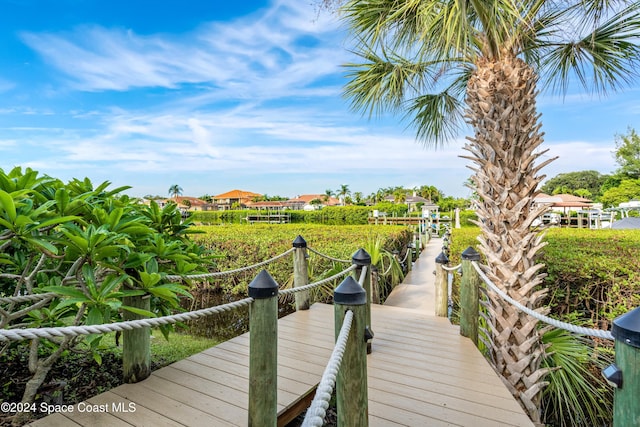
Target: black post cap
[[299, 242], [442, 258], [263, 286], [626, 328], [361, 257], [470, 254], [349, 292]]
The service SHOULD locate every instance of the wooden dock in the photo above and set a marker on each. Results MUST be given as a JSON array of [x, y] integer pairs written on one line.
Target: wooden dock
[[421, 372]]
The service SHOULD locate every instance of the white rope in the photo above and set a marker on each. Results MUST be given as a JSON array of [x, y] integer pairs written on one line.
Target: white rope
[[363, 276], [451, 268], [316, 284], [34, 333], [27, 298], [318, 408], [345, 261], [406, 255], [558, 324], [175, 277]]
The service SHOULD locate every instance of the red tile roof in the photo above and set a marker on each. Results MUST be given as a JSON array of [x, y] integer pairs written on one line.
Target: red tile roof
[[237, 194]]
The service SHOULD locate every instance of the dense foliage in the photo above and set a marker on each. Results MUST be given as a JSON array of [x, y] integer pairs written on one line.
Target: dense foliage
[[588, 183], [243, 245], [92, 247], [593, 275]]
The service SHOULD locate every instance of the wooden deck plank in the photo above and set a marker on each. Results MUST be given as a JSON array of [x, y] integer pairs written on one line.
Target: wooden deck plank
[[170, 406], [53, 420], [421, 372]]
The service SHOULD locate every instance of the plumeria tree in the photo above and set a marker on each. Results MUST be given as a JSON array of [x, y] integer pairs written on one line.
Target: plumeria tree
[[90, 248], [444, 63]]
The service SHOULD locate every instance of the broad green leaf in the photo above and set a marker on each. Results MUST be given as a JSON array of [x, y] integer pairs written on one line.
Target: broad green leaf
[[42, 244], [62, 199], [95, 316], [7, 203], [138, 311]]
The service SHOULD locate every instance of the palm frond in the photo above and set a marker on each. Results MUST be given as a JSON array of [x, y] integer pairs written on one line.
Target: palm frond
[[605, 59], [574, 396], [383, 83], [436, 117]]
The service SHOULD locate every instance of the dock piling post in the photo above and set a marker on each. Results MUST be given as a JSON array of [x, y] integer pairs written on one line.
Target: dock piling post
[[300, 273], [136, 343], [469, 298], [442, 291], [263, 356], [625, 373], [351, 381], [362, 259]]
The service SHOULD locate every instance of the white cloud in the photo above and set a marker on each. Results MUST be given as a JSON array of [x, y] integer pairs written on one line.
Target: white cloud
[[576, 156], [241, 59]]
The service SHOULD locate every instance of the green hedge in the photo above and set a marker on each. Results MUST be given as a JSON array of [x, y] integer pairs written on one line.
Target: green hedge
[[593, 275]]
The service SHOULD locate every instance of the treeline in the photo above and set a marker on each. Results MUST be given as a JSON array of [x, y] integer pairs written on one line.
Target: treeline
[[621, 186]]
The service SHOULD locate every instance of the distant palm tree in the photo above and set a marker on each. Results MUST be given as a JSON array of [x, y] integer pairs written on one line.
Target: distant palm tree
[[358, 196], [343, 192], [327, 195], [175, 190]]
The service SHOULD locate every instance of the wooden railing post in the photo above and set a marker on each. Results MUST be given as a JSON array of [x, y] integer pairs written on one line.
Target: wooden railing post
[[442, 291], [263, 356], [469, 302], [300, 273], [352, 399], [625, 373], [362, 259], [409, 257], [136, 350]]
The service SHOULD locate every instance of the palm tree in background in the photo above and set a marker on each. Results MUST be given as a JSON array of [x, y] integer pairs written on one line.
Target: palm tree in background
[[343, 192], [327, 195], [175, 190], [443, 63]]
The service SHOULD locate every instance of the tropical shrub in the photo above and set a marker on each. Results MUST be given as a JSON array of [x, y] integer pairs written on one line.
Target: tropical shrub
[[93, 248]]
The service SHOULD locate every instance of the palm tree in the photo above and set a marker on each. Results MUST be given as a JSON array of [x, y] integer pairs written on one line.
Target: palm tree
[[343, 192], [327, 195], [442, 63], [175, 190]]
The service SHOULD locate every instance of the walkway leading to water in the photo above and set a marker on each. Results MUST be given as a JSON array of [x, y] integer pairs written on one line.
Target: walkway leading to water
[[421, 372]]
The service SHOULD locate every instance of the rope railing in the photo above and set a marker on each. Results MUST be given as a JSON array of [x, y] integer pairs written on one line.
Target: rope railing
[[452, 268], [363, 274], [318, 408], [176, 277], [71, 331], [554, 322], [406, 256], [27, 298], [318, 283], [344, 261]]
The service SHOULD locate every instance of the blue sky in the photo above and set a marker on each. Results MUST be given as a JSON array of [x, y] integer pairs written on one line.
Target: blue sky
[[217, 95]]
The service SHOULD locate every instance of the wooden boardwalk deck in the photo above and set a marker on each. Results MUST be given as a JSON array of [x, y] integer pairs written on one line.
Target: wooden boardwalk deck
[[421, 373]]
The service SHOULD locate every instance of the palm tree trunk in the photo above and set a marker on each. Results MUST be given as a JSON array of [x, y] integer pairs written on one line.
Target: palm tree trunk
[[502, 110]]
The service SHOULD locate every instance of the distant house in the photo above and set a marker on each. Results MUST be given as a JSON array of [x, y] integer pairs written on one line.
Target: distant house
[[304, 201], [226, 200], [567, 202]]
